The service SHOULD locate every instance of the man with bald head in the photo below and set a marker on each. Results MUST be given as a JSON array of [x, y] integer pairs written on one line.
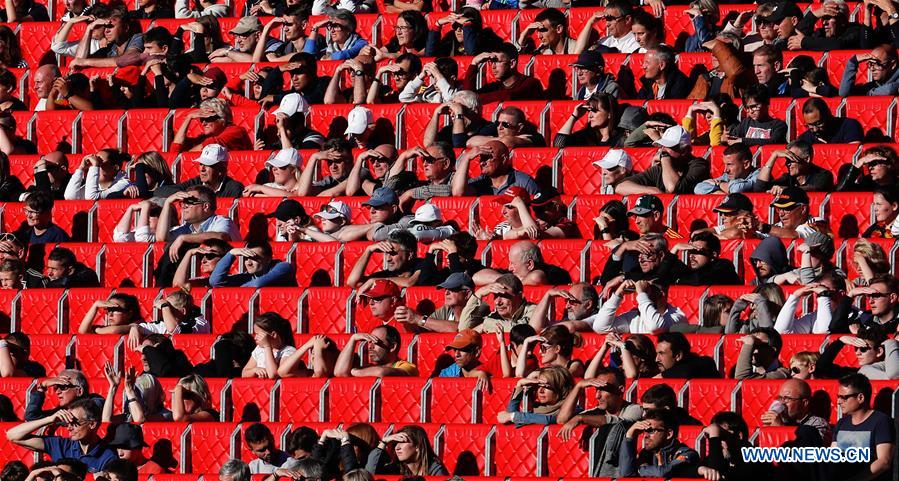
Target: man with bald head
[[792, 407], [527, 264], [497, 173], [882, 62], [581, 305], [44, 77], [51, 174], [370, 170]]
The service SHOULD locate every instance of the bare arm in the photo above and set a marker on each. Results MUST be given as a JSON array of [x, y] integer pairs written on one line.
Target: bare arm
[[182, 273], [628, 187], [7, 366], [289, 366], [460, 179], [357, 274], [304, 186], [344, 365], [670, 176], [596, 362], [354, 180], [86, 326], [332, 93], [22, 433], [583, 38]]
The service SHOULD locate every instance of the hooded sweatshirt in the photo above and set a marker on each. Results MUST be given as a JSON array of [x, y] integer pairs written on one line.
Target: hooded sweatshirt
[[772, 251]]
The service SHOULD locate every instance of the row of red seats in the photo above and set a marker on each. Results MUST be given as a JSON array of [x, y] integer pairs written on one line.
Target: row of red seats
[[446, 408]]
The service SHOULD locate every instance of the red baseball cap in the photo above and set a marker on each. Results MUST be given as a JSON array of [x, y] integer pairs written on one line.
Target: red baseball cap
[[382, 288], [511, 193]]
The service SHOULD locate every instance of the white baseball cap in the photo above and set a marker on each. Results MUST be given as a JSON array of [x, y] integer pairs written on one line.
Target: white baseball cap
[[427, 213], [615, 158], [284, 157], [333, 210], [358, 120], [291, 104], [674, 136], [213, 154]]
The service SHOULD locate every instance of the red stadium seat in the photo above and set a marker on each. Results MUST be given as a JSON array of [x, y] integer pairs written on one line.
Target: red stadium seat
[[212, 444], [404, 399], [579, 175], [167, 443], [757, 396], [850, 213], [462, 210], [55, 127], [17, 390], [706, 397], [43, 311], [518, 450], [302, 399], [569, 254], [111, 210], [685, 297], [416, 118], [148, 130], [465, 448], [496, 400], [326, 310], [555, 73], [453, 400], [774, 436], [696, 212], [352, 399], [316, 263], [93, 351], [35, 39], [197, 347], [876, 114], [536, 162], [253, 400], [283, 300], [51, 351], [836, 65], [79, 302], [231, 306], [13, 451], [127, 265], [568, 458], [106, 127]]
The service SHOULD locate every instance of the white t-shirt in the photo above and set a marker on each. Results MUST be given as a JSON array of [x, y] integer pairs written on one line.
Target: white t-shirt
[[625, 44], [201, 326], [259, 354]]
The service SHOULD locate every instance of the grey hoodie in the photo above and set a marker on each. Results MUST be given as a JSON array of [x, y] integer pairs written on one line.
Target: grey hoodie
[[772, 251]]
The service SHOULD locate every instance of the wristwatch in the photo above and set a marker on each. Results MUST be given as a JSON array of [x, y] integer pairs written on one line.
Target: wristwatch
[[358, 73], [894, 16], [423, 321]]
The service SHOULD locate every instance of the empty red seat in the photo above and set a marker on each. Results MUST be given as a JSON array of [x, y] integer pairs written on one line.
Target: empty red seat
[[301, 399], [404, 399], [452, 400], [167, 443], [93, 351], [253, 400], [706, 397], [465, 448], [212, 445], [43, 311], [517, 450]]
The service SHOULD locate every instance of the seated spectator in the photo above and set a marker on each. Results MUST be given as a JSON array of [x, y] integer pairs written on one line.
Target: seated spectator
[[764, 302], [293, 24], [792, 208], [616, 166], [232, 352], [122, 310], [705, 17], [247, 34], [758, 127], [881, 162], [443, 77], [468, 121], [456, 313], [830, 291], [581, 305], [304, 79], [370, 170], [261, 442], [351, 82], [383, 348], [551, 27], [197, 86], [144, 398], [259, 268], [467, 36], [711, 111], [862, 427], [11, 187], [209, 253], [758, 358], [128, 441], [877, 355], [611, 407], [619, 37], [159, 356], [882, 62], [414, 455], [886, 211], [437, 162], [151, 9], [556, 346], [824, 128], [497, 172], [322, 354], [662, 79], [274, 342], [217, 126], [69, 385], [410, 36], [518, 223], [727, 435], [677, 362], [662, 455], [653, 315], [404, 68], [234, 470], [124, 42], [151, 171], [283, 168], [713, 317], [342, 41], [883, 302], [837, 32], [466, 352], [332, 219], [199, 223], [64, 270], [803, 365], [339, 155], [546, 389], [383, 297], [192, 401], [61, 45], [551, 215], [9, 84], [739, 175], [82, 418], [767, 62], [869, 260], [602, 124], [647, 30], [12, 274], [187, 9], [527, 264], [15, 353], [510, 306], [646, 258], [44, 78], [705, 265], [513, 129], [510, 84], [178, 315], [403, 266], [801, 171], [10, 142], [677, 172], [99, 176], [24, 11], [291, 118], [816, 258], [363, 130], [592, 78]]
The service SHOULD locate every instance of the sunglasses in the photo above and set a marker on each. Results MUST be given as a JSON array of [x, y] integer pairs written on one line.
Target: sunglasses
[[795, 370], [380, 159], [337, 26], [64, 387], [289, 24], [457, 26], [333, 162], [701, 252], [876, 295], [610, 18], [862, 349], [192, 201], [208, 120], [116, 309], [654, 430], [542, 29], [506, 125], [846, 397], [210, 256]]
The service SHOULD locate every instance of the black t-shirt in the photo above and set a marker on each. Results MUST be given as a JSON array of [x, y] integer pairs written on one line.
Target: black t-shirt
[[693, 366], [877, 429], [428, 275], [555, 275], [753, 132], [843, 131]]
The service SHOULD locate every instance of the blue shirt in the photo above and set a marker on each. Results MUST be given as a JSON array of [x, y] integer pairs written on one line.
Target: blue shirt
[[96, 458], [483, 186], [453, 370], [53, 235], [280, 274]]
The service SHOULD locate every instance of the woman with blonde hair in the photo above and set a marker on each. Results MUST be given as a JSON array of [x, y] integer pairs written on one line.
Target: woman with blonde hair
[[144, 397], [412, 455], [548, 388], [150, 171], [764, 302], [556, 346], [192, 400], [869, 260], [217, 126]]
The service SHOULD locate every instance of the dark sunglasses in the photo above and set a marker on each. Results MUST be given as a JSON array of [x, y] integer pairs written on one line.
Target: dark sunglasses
[[862, 349], [210, 256], [192, 201], [457, 26], [506, 125], [207, 120], [846, 397], [64, 387], [654, 430], [610, 18], [289, 24], [380, 159], [795, 370], [702, 252], [333, 161], [116, 309], [542, 29], [337, 26]]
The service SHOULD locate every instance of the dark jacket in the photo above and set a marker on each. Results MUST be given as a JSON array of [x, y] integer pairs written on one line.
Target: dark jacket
[[772, 251], [166, 361], [677, 87], [693, 366], [716, 272], [229, 188], [674, 460], [853, 36]]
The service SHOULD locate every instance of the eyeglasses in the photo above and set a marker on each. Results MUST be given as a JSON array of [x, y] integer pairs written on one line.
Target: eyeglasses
[[401, 73], [507, 125], [545, 347], [432, 160], [877, 295], [209, 120], [289, 24], [338, 26], [329, 209], [862, 349], [397, 28], [787, 399], [875, 64], [654, 430], [610, 18], [116, 309], [31, 213], [815, 125], [193, 201], [846, 397], [210, 256]]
